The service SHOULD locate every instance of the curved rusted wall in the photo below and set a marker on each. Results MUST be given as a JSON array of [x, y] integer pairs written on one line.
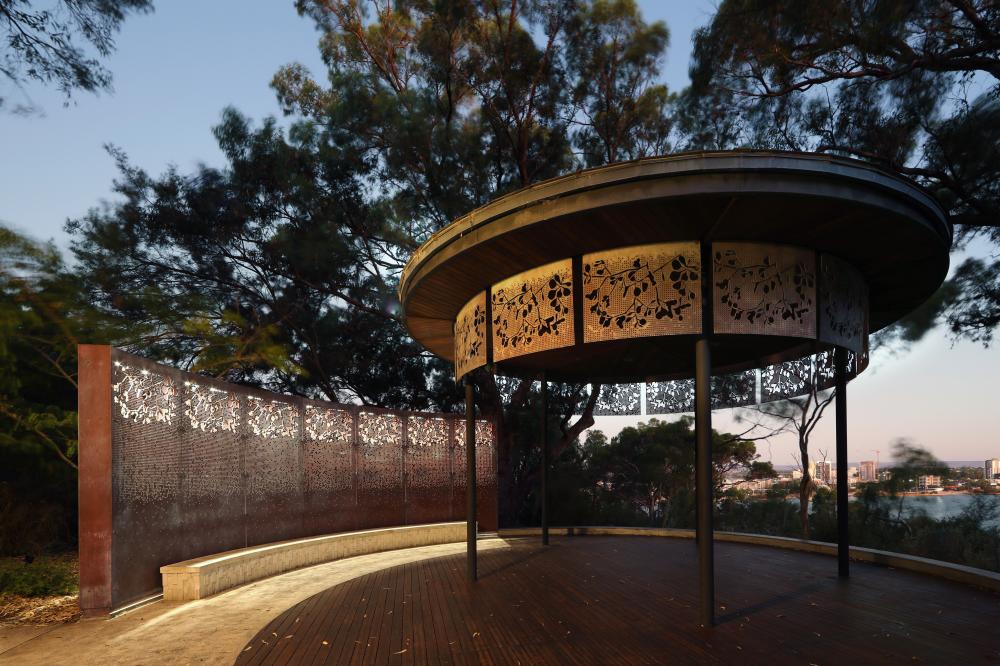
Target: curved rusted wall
[[196, 466]]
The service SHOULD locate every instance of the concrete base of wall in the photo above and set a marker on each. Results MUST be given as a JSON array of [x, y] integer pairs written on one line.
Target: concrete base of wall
[[204, 576], [955, 572]]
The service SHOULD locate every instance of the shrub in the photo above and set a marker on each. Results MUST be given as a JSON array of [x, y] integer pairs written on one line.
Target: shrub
[[28, 525], [45, 576]]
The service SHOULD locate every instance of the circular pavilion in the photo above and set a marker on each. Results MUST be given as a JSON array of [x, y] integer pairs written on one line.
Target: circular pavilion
[[680, 267]]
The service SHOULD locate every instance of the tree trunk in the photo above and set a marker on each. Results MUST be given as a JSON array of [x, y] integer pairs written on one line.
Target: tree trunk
[[514, 486], [804, 488]]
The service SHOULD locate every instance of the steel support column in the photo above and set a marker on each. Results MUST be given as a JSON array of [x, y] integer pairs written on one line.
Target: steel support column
[[470, 483], [843, 534], [545, 461], [703, 481]]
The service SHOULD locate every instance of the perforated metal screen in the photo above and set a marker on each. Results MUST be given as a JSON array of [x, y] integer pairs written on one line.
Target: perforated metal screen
[[764, 289], [641, 291], [200, 466], [843, 314], [470, 336], [533, 311]]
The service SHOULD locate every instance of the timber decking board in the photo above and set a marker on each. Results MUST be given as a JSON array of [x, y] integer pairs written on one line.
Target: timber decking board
[[600, 600]]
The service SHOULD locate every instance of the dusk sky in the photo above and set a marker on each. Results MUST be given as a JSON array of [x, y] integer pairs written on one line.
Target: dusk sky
[[176, 69]]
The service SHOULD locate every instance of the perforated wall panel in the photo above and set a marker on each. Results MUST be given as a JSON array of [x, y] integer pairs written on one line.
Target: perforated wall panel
[[735, 390], [671, 397], [329, 448], [146, 476], [619, 399], [533, 311], [764, 290], [486, 488], [843, 314], [428, 468], [380, 468], [791, 378], [641, 291], [200, 466], [470, 336]]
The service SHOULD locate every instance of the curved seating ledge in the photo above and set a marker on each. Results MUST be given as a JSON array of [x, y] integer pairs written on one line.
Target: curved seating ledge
[[211, 574], [955, 572]]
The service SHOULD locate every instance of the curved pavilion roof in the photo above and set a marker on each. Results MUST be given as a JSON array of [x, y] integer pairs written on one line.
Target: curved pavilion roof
[[890, 230]]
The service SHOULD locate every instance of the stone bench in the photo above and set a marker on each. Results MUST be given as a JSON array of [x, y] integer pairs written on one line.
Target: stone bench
[[211, 574]]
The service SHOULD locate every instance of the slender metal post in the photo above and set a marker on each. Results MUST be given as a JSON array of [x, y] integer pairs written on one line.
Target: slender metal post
[[703, 481], [470, 483], [545, 462], [843, 534]]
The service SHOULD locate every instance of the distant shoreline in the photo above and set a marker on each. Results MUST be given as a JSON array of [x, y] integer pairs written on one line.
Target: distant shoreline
[[943, 493], [914, 493]]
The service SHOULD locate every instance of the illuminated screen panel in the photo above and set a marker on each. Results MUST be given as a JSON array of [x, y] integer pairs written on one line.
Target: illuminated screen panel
[[643, 290], [533, 311], [327, 450], [470, 336], [380, 468], [428, 469]]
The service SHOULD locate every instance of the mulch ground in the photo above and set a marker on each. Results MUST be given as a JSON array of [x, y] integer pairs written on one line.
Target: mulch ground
[[17, 610], [20, 611]]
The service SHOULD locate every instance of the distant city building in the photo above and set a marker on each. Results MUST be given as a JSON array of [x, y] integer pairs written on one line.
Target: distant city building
[[852, 476], [824, 472], [796, 474], [755, 486], [928, 482], [869, 471], [992, 469]]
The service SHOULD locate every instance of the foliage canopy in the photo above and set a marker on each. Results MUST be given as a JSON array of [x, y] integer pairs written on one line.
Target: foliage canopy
[[43, 43]]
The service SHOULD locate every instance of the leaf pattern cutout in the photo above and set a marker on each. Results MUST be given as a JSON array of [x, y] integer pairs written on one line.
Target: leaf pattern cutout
[[642, 290], [533, 311], [470, 336], [766, 290]]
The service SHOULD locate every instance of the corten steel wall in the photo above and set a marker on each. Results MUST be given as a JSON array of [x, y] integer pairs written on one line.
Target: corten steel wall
[[175, 466]]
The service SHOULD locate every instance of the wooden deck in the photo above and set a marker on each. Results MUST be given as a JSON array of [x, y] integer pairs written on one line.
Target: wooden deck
[[631, 600]]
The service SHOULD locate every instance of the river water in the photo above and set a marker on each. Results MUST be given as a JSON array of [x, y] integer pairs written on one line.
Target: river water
[[944, 506], [936, 506]]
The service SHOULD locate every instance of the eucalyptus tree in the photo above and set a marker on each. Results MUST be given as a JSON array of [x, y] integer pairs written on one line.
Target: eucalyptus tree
[[914, 86], [455, 103], [48, 42], [281, 268], [798, 415], [651, 466]]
